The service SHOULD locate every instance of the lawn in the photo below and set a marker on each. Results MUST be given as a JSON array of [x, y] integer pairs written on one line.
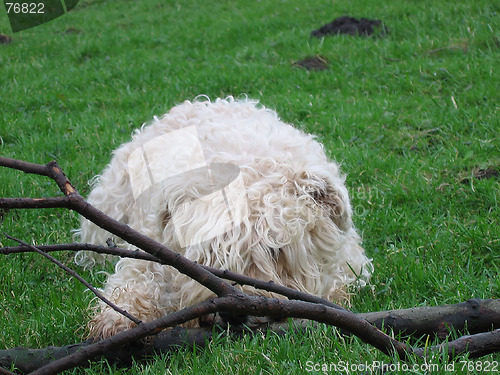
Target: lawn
[[412, 117]]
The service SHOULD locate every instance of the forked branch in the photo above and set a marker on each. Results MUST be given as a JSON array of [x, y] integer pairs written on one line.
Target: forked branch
[[230, 299]]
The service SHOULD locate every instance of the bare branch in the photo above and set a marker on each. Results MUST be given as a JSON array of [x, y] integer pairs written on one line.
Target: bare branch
[[79, 205], [27, 360], [24, 166], [111, 250], [242, 304], [223, 274], [52, 202], [79, 278], [473, 316], [6, 372], [271, 287], [476, 346]]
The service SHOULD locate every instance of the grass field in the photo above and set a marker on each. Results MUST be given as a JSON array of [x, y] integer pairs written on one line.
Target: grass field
[[412, 117]]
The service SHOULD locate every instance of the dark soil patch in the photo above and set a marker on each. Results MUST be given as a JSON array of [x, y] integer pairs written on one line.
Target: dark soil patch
[[72, 30], [351, 26], [313, 63], [481, 174], [5, 39], [486, 173]]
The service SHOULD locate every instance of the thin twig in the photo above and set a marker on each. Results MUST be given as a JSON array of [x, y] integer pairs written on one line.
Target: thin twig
[[110, 250], [223, 274], [270, 286], [79, 278], [30, 203]]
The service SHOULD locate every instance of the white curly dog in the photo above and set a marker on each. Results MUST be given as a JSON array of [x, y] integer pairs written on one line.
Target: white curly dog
[[231, 186]]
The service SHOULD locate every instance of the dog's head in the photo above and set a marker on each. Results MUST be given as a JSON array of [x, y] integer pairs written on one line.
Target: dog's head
[[270, 222]]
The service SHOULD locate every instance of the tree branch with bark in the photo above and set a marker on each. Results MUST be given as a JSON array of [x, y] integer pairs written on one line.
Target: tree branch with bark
[[230, 299], [418, 322]]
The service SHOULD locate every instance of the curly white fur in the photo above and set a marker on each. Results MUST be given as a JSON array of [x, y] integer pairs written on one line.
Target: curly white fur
[[290, 215]]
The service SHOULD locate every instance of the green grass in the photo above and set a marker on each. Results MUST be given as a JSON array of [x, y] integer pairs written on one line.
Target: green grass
[[409, 116]]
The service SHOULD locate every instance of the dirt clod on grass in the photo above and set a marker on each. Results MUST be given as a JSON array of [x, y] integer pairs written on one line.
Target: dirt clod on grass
[[351, 26], [5, 39], [72, 30], [313, 63], [481, 174]]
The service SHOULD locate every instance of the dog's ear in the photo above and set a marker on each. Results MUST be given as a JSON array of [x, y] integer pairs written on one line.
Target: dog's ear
[[331, 197], [165, 217], [336, 205]]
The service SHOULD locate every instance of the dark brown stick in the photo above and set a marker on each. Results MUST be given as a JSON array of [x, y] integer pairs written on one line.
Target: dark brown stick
[[79, 205], [242, 304], [80, 279], [223, 274], [111, 250], [6, 372], [27, 360], [24, 166], [472, 316], [476, 346], [30, 203]]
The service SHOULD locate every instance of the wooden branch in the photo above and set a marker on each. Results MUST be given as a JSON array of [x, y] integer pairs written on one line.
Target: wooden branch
[[475, 346], [6, 372], [111, 250], [80, 279], [27, 360], [223, 274], [271, 287], [79, 205], [472, 316], [24, 166], [27, 203], [240, 304]]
